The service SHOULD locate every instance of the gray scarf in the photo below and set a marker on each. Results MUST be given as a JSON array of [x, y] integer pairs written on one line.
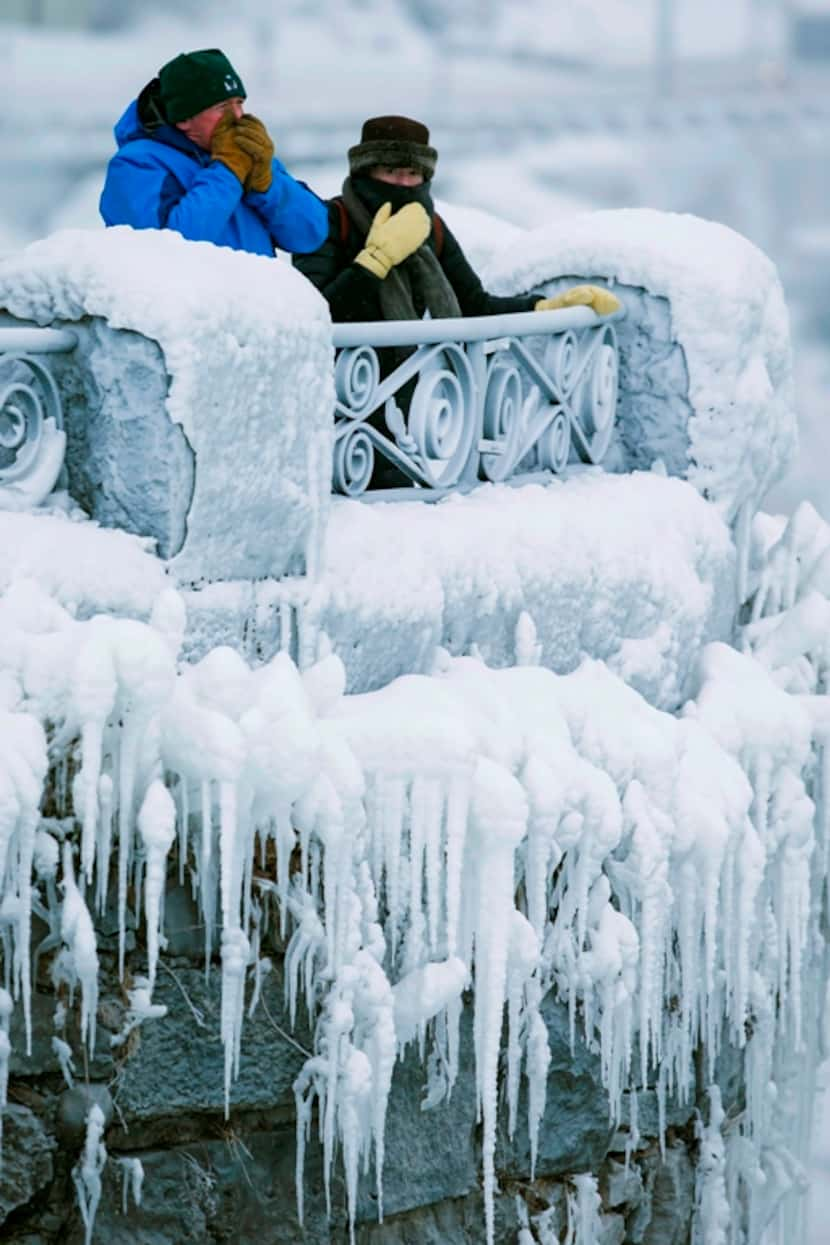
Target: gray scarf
[[419, 280]]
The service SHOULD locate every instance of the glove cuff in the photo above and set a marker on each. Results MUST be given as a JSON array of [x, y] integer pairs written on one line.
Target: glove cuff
[[239, 166], [374, 261]]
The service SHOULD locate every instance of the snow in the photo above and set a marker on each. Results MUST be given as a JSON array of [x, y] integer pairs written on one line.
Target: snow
[[640, 593], [83, 567], [728, 313], [235, 330]]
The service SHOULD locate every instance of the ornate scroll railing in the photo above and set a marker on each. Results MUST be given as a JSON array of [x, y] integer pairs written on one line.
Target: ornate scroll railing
[[32, 440], [450, 403]]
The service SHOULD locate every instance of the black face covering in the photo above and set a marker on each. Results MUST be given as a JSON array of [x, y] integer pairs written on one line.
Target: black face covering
[[375, 193]]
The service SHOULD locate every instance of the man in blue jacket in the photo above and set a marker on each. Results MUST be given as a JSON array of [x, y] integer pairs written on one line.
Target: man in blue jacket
[[189, 158]]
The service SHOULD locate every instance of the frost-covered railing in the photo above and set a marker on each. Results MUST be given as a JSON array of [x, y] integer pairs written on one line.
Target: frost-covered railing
[[32, 440], [484, 398]]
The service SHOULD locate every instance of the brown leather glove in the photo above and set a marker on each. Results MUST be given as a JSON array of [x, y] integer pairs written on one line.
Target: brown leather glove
[[225, 148], [252, 137]]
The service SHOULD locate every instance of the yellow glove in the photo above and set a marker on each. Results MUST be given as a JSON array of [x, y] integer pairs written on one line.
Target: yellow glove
[[602, 301], [252, 136], [393, 239]]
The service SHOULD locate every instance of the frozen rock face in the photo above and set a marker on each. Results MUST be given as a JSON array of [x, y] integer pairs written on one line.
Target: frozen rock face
[[712, 394], [127, 464], [206, 420], [654, 411], [200, 1184]]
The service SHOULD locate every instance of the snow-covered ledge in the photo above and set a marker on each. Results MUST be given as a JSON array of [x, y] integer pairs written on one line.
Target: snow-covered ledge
[[705, 364], [198, 400]]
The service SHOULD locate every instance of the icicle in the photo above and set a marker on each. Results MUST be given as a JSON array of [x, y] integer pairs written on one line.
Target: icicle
[[5, 1055], [712, 1217], [230, 856], [86, 1174], [157, 827], [392, 813], [104, 846], [128, 758], [528, 651], [433, 836], [63, 1053], [584, 1222], [205, 878], [522, 960], [285, 842], [458, 800], [78, 933], [499, 820], [184, 826], [95, 687], [235, 958], [538, 1063], [132, 1182]]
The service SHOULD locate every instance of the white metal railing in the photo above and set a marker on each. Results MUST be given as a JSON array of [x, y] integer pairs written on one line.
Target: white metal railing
[[484, 398], [32, 440]]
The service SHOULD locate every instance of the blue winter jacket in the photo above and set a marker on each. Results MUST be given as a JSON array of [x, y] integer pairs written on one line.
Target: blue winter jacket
[[162, 180]]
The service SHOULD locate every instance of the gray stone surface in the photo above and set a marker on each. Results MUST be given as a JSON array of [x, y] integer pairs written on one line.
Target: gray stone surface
[[620, 1184], [43, 1061], [234, 1189], [575, 1130], [74, 1107], [653, 409], [26, 1164], [176, 1064], [430, 1155], [184, 928], [612, 1231], [670, 1187], [127, 464]]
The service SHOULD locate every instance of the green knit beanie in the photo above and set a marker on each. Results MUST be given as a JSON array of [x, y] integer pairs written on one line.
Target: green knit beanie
[[194, 81]]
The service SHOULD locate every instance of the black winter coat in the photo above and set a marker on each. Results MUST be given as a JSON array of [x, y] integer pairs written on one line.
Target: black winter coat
[[353, 293]]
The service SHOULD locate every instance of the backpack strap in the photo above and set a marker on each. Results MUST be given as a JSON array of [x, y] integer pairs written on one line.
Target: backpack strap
[[438, 230], [344, 219]]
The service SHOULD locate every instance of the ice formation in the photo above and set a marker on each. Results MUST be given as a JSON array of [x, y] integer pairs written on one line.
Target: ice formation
[[503, 830], [740, 386], [86, 1174], [646, 835]]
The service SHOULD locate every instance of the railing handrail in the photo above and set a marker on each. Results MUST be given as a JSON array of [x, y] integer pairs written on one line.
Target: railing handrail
[[36, 340], [467, 328]]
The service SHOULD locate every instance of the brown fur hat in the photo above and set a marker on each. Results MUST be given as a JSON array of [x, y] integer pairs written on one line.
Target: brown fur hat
[[396, 142]]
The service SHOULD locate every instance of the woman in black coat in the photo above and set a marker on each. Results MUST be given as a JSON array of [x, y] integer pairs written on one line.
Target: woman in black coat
[[393, 164]]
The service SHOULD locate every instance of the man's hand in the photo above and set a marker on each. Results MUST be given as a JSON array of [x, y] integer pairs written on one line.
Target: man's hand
[[393, 238], [253, 138], [603, 302], [225, 148]]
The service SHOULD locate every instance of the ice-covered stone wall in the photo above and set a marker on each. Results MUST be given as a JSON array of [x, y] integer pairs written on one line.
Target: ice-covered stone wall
[[640, 894], [199, 399], [510, 890], [706, 369]]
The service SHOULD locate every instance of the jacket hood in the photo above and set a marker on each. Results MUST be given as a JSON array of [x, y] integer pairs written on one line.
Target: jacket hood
[[130, 127]]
